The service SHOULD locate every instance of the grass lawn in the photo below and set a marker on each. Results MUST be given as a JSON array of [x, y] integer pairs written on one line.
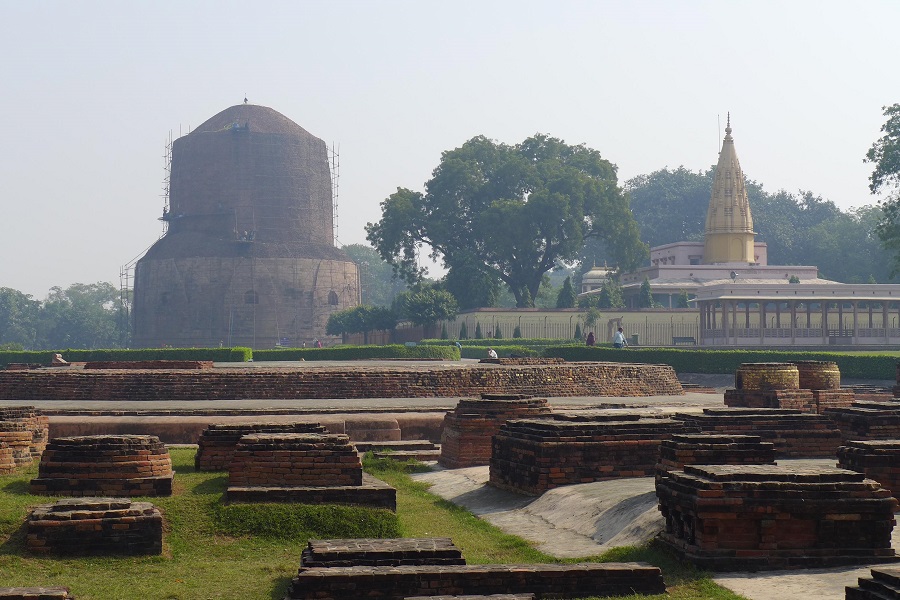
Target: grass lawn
[[251, 551]]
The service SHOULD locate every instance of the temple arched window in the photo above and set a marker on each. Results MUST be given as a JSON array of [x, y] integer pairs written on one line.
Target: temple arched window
[[332, 298], [251, 297]]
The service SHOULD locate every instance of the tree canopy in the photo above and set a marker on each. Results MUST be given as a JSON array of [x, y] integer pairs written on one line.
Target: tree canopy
[[800, 229], [885, 178], [509, 211], [378, 285]]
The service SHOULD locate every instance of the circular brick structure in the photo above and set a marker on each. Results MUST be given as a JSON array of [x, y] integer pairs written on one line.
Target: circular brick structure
[[28, 446], [818, 375], [7, 461], [18, 438], [105, 465], [767, 376]]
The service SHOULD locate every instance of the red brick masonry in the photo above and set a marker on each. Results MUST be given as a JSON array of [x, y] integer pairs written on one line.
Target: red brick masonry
[[420, 381], [795, 435], [867, 420], [544, 581], [381, 552], [876, 459], [753, 517], [105, 465], [534, 455], [468, 429], [884, 583], [101, 526], [149, 364], [709, 449], [215, 447], [25, 430]]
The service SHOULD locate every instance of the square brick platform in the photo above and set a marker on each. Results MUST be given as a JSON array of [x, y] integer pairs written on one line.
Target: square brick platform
[[310, 468], [97, 526], [754, 517], [381, 552], [710, 449], [215, 446], [883, 585], [534, 455], [866, 420], [876, 459], [544, 581], [468, 429], [795, 434]]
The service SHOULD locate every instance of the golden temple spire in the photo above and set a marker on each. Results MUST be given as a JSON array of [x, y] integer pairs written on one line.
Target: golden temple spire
[[729, 232]]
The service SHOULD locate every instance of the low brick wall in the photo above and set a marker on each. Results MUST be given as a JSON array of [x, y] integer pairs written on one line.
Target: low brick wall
[[294, 459], [884, 583], [544, 581], [420, 381], [149, 364], [802, 400], [372, 493], [534, 455], [216, 444], [100, 526], [867, 420], [876, 459], [105, 465], [468, 429], [751, 517], [35, 593], [794, 434], [709, 449], [380, 552]]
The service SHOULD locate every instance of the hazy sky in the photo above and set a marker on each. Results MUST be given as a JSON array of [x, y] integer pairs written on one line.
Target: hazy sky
[[91, 90]]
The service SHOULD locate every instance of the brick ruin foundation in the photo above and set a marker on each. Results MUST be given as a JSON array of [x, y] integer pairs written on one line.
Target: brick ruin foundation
[[750, 517], [94, 527], [420, 381], [421, 450], [468, 429], [534, 455], [883, 583], [808, 386], [105, 465], [710, 449], [867, 420], [24, 431], [215, 446], [311, 468], [35, 593], [434, 567], [876, 459], [380, 552], [795, 434], [150, 364]]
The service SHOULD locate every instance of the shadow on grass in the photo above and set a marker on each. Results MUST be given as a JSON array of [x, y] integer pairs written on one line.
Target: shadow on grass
[[15, 543], [216, 485], [281, 587], [19, 487]]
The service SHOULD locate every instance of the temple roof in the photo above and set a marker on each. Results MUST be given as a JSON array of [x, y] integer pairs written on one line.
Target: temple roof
[[729, 210]]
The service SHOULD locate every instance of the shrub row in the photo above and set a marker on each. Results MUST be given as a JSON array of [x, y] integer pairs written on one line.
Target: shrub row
[[502, 351], [535, 343], [397, 351], [44, 357], [854, 366]]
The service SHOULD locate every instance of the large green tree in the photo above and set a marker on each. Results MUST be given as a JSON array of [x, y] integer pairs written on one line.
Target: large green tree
[[885, 178], [799, 229], [82, 316], [378, 285], [18, 318], [513, 210]]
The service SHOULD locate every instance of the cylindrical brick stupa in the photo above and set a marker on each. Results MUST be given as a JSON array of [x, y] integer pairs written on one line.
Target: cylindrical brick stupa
[[249, 256]]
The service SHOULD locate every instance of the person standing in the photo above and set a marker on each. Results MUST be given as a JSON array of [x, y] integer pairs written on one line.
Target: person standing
[[619, 339], [590, 339]]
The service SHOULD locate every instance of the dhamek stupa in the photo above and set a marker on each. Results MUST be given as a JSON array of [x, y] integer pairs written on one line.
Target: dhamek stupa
[[248, 258]]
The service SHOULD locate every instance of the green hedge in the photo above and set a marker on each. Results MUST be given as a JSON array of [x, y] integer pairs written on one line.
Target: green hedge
[[852, 365], [502, 351], [397, 351], [44, 357], [537, 343]]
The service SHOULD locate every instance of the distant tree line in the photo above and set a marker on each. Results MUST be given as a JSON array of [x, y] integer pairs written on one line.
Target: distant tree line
[[79, 316]]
